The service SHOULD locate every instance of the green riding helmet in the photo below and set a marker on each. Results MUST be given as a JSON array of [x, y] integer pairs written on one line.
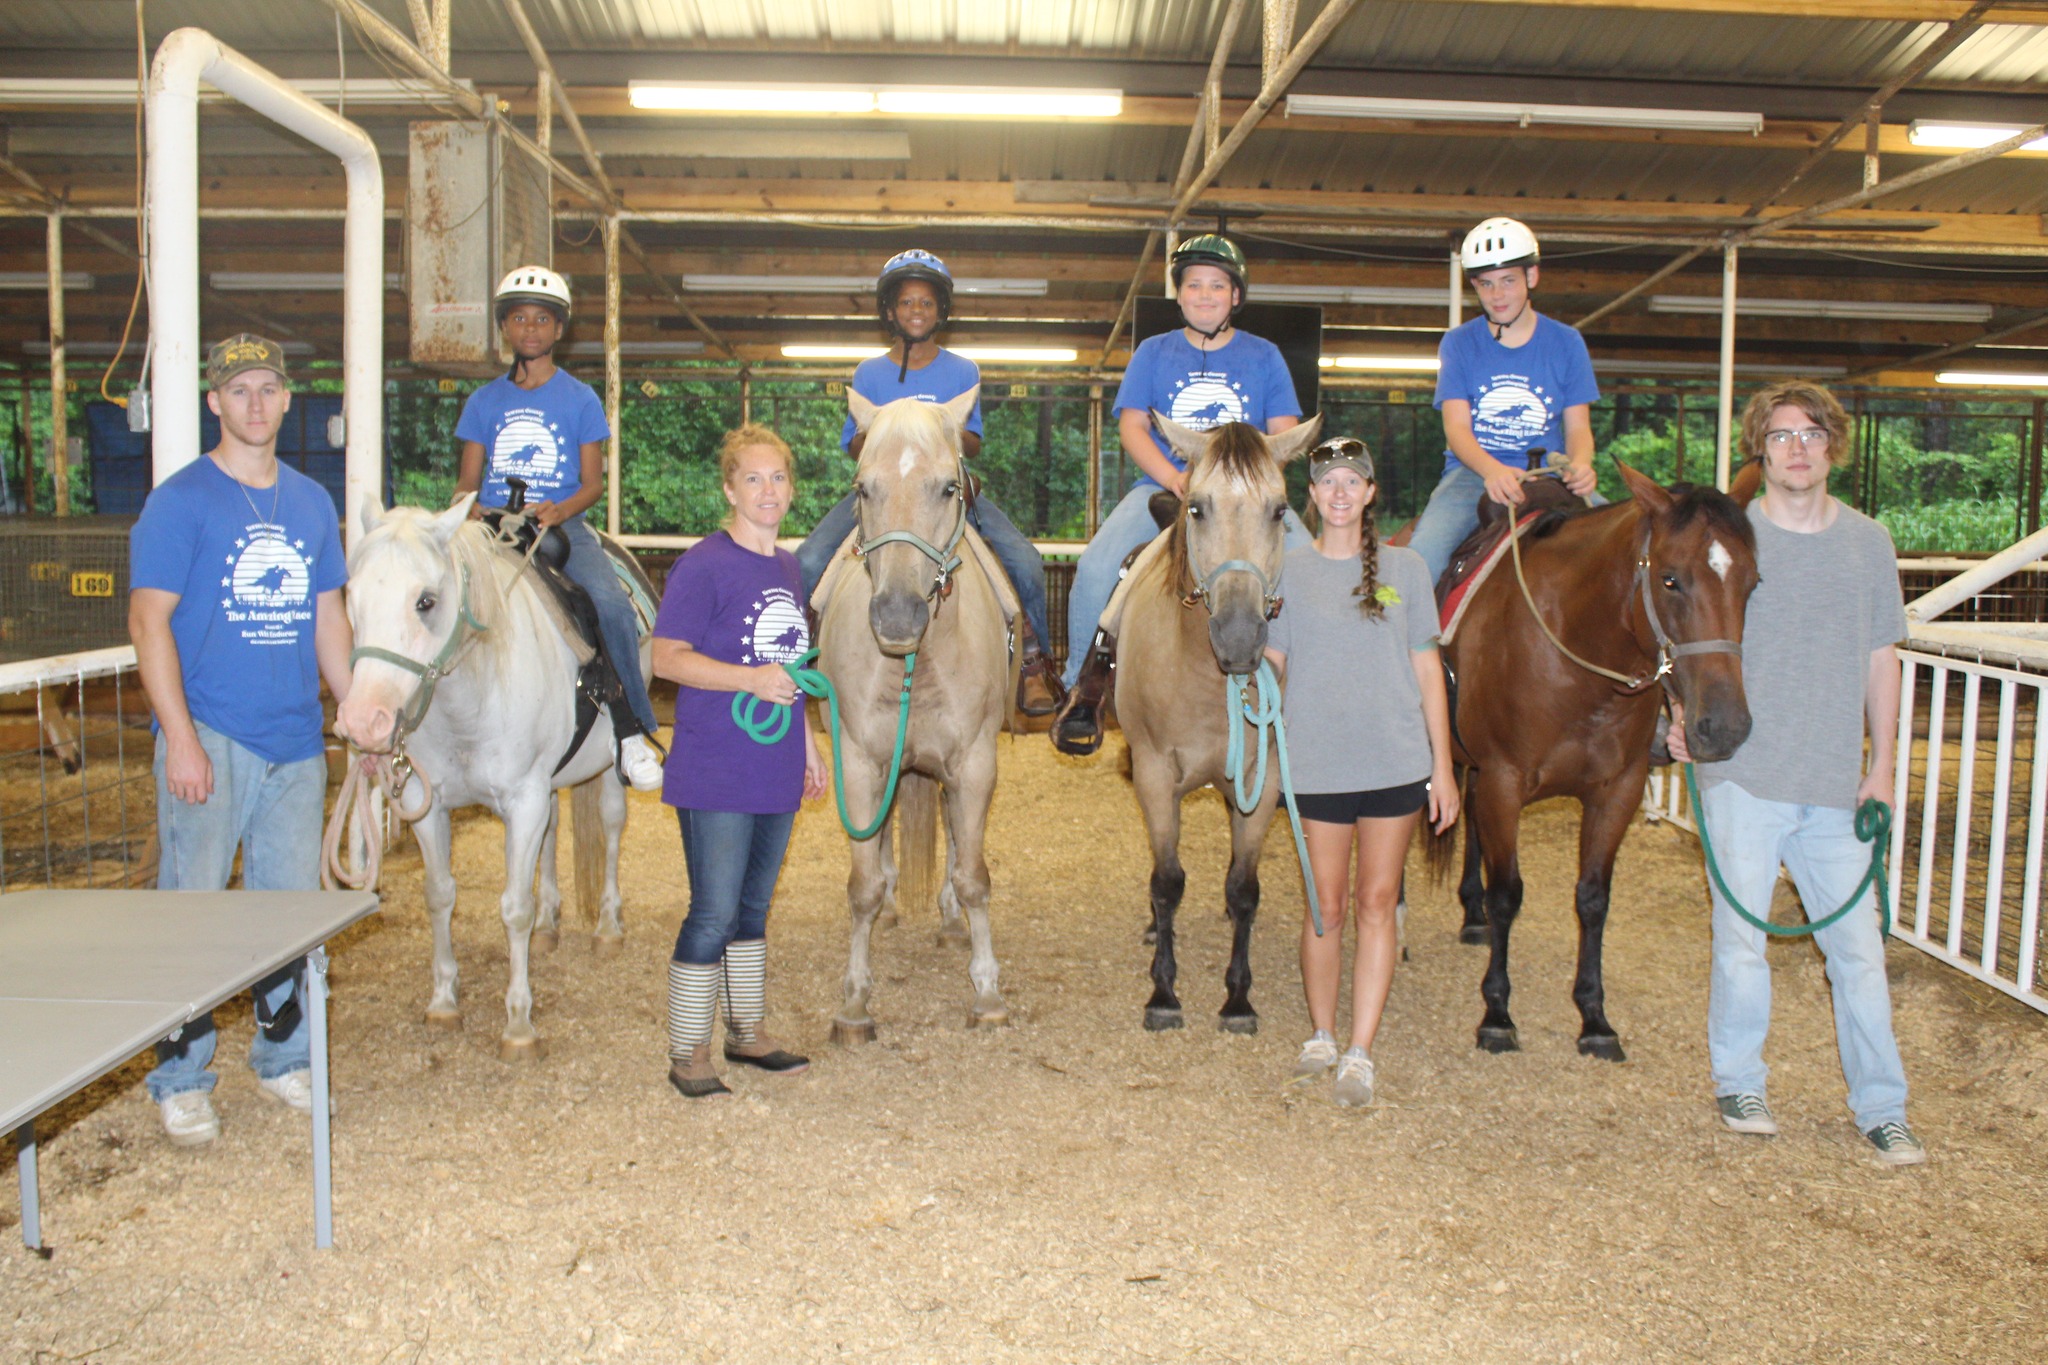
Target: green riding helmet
[[1210, 249]]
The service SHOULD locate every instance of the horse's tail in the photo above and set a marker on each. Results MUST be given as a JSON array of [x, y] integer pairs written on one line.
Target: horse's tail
[[917, 847], [1440, 847], [586, 828]]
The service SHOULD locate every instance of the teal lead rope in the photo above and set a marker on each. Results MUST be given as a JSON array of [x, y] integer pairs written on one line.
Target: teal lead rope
[[1265, 718], [746, 715], [1873, 827]]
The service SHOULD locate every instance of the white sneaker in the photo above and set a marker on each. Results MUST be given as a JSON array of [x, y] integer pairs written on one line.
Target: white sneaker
[[1318, 1055], [642, 764], [1353, 1086], [189, 1120], [294, 1088]]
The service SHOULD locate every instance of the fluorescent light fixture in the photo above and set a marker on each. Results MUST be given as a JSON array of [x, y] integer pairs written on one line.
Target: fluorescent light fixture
[[115, 90], [1992, 379], [1392, 296], [998, 102], [803, 352], [847, 284], [1869, 310], [940, 101], [631, 349], [1415, 364], [287, 281], [1058, 355], [39, 280], [1963, 136], [1524, 115]]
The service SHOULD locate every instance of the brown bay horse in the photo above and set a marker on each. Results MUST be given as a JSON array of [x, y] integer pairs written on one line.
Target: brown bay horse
[[1191, 632], [1653, 589]]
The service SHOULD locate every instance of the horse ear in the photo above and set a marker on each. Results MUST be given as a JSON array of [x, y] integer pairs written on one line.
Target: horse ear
[[962, 407], [447, 523], [1186, 441], [1295, 442], [1645, 489], [1746, 480], [862, 409], [371, 513]]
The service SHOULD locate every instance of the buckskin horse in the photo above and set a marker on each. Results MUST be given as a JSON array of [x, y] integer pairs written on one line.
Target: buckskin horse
[[1192, 629], [1645, 592]]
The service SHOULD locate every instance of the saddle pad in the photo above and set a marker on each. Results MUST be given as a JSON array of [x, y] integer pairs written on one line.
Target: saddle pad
[[1453, 599]]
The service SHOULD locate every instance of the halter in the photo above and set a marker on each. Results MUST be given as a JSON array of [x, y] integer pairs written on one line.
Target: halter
[[429, 674], [1205, 584], [946, 558]]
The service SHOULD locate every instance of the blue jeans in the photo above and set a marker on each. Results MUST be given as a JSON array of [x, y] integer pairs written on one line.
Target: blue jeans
[[733, 860], [1127, 528], [590, 568], [272, 811], [1451, 514], [1819, 847], [1013, 550]]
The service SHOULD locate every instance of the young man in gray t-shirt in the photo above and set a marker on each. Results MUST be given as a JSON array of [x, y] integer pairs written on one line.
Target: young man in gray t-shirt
[[1818, 665]]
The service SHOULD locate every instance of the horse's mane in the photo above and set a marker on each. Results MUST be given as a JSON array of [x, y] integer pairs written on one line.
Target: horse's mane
[[405, 532], [1237, 452], [921, 426], [1697, 502]]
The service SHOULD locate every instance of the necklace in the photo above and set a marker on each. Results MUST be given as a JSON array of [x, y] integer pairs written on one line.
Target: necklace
[[277, 491]]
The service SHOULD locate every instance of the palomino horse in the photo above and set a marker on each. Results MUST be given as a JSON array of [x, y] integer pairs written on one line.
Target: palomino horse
[[1651, 590], [485, 708], [916, 600], [1192, 630]]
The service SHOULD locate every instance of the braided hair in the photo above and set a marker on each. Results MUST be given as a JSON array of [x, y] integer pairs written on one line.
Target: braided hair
[[1368, 590], [1352, 452]]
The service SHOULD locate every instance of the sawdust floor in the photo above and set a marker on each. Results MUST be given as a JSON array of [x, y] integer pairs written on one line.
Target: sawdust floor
[[1069, 1187]]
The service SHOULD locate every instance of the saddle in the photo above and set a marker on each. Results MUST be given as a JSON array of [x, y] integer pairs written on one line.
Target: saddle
[[1549, 504]]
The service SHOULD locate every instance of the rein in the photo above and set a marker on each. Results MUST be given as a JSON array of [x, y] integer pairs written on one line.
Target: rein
[[1266, 719], [746, 715], [1873, 827], [369, 776]]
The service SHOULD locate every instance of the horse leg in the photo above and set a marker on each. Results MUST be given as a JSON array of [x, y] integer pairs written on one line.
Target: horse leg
[[1241, 903], [1498, 806], [547, 919], [525, 820], [966, 805], [1472, 888], [431, 830], [1161, 805], [952, 929], [885, 847], [1603, 823], [867, 887], [610, 934]]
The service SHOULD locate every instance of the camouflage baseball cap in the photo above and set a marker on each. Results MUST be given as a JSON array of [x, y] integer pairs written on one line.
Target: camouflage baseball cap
[[244, 351]]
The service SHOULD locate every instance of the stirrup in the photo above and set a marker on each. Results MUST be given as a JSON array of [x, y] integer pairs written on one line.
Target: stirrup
[[1078, 731]]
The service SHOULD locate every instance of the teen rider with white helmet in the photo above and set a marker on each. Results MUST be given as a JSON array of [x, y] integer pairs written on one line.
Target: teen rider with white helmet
[[914, 298], [1508, 381], [547, 427]]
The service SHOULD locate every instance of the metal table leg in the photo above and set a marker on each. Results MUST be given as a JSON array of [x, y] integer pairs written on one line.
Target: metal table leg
[[316, 1019], [31, 1199]]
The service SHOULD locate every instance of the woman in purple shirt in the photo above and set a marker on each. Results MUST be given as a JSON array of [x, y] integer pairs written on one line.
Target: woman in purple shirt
[[732, 615]]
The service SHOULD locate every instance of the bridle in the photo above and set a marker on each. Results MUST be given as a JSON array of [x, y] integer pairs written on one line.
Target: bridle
[[946, 558], [1205, 584], [408, 719]]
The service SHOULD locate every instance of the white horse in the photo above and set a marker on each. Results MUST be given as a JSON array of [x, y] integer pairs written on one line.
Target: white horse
[[459, 663]]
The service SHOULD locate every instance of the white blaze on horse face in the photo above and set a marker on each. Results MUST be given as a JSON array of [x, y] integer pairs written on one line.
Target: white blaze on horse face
[[1719, 560], [909, 460]]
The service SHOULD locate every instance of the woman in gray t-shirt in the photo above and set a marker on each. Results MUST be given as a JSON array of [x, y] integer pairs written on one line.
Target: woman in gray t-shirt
[[1368, 742]]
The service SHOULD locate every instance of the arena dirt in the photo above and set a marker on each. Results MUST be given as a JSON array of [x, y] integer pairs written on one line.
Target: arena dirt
[[1070, 1187]]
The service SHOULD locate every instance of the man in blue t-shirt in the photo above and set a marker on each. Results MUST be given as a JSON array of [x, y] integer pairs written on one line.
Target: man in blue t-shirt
[[546, 427], [235, 608], [1202, 375], [914, 297], [1509, 381]]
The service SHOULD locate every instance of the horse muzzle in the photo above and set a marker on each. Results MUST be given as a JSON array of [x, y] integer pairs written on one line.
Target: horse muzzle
[[1716, 721], [898, 620], [1239, 641]]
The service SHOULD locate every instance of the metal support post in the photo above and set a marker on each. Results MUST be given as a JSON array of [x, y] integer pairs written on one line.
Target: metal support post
[[60, 449], [746, 395], [1872, 122], [2034, 471], [1457, 282], [1678, 454], [614, 470], [31, 1197], [316, 1037], [1094, 519], [1723, 438]]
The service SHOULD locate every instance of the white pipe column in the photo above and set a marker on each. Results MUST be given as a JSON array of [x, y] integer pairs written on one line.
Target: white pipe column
[[183, 60], [1725, 436], [614, 489], [1457, 285]]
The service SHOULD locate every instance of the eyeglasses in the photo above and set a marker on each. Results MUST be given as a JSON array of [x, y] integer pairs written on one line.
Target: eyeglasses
[[1809, 438]]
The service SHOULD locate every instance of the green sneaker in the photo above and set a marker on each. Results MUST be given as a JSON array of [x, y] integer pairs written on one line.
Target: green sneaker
[[1896, 1145], [1747, 1114]]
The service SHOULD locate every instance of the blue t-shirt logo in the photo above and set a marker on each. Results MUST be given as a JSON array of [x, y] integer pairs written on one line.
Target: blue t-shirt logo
[[1206, 400], [270, 586], [1511, 411], [528, 447], [776, 630]]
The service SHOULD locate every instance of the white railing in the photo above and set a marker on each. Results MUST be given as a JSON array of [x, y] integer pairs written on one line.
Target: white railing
[[1665, 799], [77, 796]]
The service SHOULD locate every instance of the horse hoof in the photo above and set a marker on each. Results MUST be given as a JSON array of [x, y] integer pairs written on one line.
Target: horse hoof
[[992, 1016], [547, 940], [606, 945], [1238, 1023], [1605, 1046], [845, 1032], [447, 1020], [1157, 1019], [1472, 933], [522, 1049], [1498, 1039], [953, 935]]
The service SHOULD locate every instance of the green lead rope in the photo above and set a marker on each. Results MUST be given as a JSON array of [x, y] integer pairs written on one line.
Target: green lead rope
[[1873, 827], [746, 715], [1266, 719]]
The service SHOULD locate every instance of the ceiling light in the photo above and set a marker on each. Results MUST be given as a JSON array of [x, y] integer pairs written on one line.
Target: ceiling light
[[846, 284], [1395, 296], [1962, 136], [1868, 310], [39, 280], [287, 281], [1049, 354], [1524, 115], [707, 96], [987, 102], [1412, 363], [803, 352], [116, 90], [1988, 379]]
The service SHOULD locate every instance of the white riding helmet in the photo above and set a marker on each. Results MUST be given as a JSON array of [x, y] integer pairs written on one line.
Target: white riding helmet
[[532, 284], [1498, 242]]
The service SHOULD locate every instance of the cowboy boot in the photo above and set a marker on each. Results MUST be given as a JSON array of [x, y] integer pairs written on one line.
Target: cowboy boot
[[1078, 731], [1039, 689]]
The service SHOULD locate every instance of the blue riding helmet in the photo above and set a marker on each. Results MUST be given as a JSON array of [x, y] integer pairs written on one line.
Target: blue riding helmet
[[913, 264]]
